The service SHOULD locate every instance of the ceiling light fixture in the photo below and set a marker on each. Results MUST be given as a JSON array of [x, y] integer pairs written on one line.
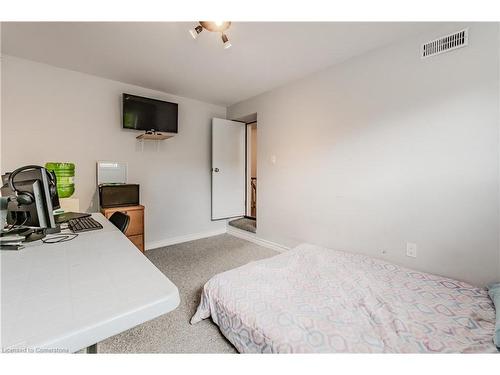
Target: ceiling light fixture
[[226, 41], [213, 26]]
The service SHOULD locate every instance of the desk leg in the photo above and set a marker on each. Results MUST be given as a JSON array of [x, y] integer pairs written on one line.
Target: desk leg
[[92, 349]]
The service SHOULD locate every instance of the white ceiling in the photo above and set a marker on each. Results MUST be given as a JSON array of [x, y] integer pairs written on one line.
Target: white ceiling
[[163, 56]]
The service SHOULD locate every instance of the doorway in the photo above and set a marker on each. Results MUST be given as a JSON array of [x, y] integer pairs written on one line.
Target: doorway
[[249, 221], [234, 171]]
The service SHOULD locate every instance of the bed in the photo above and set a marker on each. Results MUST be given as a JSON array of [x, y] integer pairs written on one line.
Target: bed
[[313, 299]]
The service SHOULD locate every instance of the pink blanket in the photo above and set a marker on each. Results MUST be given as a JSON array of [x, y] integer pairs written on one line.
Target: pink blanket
[[313, 299]]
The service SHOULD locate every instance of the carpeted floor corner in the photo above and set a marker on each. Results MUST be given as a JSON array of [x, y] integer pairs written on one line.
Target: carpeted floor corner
[[189, 266]]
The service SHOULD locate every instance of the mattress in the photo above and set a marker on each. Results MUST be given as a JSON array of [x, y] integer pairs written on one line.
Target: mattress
[[317, 300]]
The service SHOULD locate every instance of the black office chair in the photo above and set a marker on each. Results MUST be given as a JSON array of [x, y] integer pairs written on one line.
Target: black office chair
[[120, 220]]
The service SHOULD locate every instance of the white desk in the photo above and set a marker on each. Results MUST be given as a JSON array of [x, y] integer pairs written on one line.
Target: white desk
[[71, 295]]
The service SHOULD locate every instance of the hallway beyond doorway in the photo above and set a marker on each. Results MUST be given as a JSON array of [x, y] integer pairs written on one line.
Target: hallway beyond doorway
[[244, 223]]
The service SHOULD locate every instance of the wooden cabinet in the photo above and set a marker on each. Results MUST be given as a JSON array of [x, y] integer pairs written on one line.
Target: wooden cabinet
[[135, 230]]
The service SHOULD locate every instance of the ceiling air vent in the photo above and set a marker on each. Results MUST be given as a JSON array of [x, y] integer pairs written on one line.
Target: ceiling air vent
[[445, 44]]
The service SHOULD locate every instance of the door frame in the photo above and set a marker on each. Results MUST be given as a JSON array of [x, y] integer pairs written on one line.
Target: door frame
[[247, 172]]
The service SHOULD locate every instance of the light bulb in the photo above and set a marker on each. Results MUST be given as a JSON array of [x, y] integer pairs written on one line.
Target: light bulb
[[218, 23]]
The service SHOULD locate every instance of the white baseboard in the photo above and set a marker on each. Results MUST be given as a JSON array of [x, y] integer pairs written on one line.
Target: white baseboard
[[180, 239], [251, 237], [243, 234]]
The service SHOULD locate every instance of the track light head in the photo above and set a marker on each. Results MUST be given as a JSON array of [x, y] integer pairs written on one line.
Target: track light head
[[196, 31], [213, 26], [226, 41]]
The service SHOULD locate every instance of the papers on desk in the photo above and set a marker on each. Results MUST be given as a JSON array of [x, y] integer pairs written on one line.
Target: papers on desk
[[11, 241]]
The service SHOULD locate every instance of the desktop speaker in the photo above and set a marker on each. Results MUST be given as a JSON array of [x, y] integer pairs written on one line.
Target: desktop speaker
[[118, 195]]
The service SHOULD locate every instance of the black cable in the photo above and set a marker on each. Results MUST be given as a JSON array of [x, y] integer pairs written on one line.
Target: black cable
[[11, 226], [14, 225], [60, 238]]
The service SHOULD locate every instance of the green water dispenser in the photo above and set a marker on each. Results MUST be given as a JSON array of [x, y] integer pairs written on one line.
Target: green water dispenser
[[65, 174]]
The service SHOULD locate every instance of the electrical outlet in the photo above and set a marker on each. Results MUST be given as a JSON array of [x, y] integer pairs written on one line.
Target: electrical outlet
[[411, 249]]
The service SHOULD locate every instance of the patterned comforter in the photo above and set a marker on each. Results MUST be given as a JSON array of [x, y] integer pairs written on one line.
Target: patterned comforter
[[313, 299]]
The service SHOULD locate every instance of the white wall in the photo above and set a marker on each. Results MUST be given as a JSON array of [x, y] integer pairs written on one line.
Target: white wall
[[52, 114], [387, 148], [498, 275], [1, 59]]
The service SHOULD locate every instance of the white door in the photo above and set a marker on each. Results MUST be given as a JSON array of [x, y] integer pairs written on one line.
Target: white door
[[228, 168]]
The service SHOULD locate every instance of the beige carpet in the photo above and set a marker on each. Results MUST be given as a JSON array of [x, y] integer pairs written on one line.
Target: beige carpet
[[189, 266]]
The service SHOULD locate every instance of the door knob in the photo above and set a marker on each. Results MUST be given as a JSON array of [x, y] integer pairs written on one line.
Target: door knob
[[216, 169]]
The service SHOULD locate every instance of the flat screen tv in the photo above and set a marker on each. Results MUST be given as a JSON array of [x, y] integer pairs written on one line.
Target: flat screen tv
[[149, 114]]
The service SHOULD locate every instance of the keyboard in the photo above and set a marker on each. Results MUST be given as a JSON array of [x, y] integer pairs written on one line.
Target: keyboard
[[83, 224], [67, 216]]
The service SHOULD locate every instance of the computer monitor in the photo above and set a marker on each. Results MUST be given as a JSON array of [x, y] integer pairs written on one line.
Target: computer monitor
[[38, 214]]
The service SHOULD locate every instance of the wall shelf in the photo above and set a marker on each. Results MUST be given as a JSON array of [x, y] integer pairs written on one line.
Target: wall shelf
[[154, 137]]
